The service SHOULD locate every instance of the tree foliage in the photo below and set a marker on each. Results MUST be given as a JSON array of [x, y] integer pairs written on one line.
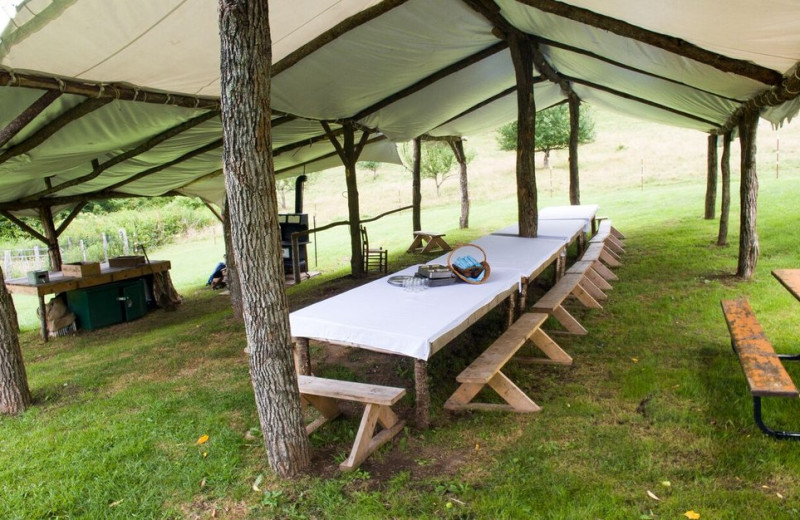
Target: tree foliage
[[437, 161], [552, 131]]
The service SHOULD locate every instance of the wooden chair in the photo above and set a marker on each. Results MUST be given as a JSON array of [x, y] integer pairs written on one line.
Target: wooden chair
[[373, 258]]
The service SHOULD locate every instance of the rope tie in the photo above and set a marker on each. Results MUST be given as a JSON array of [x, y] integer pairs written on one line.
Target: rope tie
[[101, 91], [61, 85]]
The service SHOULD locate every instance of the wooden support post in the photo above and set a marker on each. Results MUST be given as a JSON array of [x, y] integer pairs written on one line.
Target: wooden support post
[[416, 183], [53, 251], [711, 181], [457, 145], [302, 356], [423, 419], [527, 210], [748, 193], [574, 136], [725, 168]]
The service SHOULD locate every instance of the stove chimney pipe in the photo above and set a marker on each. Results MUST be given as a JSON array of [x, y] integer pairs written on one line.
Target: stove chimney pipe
[[298, 193]]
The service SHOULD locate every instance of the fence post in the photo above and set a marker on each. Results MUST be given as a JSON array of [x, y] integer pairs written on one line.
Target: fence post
[[123, 235], [105, 246], [83, 250], [7, 264]]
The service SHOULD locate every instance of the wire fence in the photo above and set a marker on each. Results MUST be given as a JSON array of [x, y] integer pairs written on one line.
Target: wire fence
[[17, 262]]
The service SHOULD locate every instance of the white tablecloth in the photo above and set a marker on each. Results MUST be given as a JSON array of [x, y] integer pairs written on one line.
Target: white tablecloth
[[585, 212], [382, 317], [526, 256], [566, 230]]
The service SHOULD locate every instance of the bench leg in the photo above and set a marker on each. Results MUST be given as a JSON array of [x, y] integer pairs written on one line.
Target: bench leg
[[598, 280], [555, 354], [604, 271], [327, 406], [415, 244], [609, 258], [302, 356], [617, 233], [566, 319], [594, 291], [366, 442], [505, 388], [764, 428], [615, 245], [585, 298]]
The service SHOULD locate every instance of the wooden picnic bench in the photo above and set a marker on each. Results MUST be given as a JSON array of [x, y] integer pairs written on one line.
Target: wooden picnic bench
[[428, 241], [325, 394], [486, 369], [573, 284], [765, 374], [606, 237]]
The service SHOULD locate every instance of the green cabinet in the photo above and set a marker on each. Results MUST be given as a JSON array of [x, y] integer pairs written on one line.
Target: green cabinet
[[108, 304]]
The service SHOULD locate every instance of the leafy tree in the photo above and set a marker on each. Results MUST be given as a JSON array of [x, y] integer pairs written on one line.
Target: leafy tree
[[371, 166], [437, 161], [552, 131]]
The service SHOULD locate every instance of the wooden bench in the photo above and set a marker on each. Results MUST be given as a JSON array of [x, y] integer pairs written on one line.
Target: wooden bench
[[552, 302], [614, 231], [590, 281], [486, 369], [592, 254], [428, 241], [325, 394], [598, 251], [762, 367], [606, 237]]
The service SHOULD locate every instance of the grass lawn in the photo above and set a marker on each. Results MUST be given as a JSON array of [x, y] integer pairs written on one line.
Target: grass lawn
[[655, 404]]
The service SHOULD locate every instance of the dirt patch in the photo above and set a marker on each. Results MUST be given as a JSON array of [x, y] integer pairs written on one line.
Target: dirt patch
[[201, 509]]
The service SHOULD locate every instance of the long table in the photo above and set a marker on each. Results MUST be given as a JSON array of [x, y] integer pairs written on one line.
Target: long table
[[585, 212], [566, 230], [60, 283]]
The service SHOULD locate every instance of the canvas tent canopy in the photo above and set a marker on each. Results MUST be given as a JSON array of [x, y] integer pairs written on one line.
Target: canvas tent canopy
[[146, 74]]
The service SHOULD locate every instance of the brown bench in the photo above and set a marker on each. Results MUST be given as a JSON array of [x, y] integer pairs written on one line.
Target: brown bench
[[598, 251], [486, 369], [571, 284], [325, 394], [590, 279], [614, 231], [765, 374], [606, 237]]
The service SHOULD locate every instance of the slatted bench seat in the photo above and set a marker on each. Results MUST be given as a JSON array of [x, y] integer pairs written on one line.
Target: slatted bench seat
[[765, 374], [486, 369], [598, 251], [592, 254], [325, 394], [552, 302], [614, 231]]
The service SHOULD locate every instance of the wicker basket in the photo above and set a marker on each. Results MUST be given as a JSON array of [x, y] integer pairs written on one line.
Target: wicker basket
[[479, 271]]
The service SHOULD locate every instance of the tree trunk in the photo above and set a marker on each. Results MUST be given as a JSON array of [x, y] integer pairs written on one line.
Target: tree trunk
[[711, 183], [15, 396], [231, 265], [725, 167], [246, 57], [353, 208], [748, 193], [457, 146], [527, 210], [416, 185], [53, 251], [574, 136], [546, 158]]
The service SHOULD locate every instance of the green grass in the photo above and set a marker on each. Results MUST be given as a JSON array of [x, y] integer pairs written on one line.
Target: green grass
[[655, 397]]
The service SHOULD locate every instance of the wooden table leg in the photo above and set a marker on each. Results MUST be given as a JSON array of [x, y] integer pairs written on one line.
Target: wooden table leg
[[302, 357], [423, 419], [415, 244], [43, 318]]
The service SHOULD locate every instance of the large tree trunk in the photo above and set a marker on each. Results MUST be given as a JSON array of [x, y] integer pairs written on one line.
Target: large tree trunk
[[725, 167], [527, 209], [416, 185], [711, 182], [246, 57], [232, 265], [748, 193], [353, 209], [15, 396], [457, 146], [53, 251], [574, 136]]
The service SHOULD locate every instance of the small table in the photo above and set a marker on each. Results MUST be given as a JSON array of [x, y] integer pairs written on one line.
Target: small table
[[434, 242], [789, 278]]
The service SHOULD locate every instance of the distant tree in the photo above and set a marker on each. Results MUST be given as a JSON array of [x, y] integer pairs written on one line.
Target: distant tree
[[436, 162], [552, 131], [371, 166]]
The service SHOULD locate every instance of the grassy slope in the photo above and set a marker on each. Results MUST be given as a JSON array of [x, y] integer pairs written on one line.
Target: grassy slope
[[655, 394]]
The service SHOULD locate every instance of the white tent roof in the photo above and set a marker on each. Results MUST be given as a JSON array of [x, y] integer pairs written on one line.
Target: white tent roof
[[399, 68]]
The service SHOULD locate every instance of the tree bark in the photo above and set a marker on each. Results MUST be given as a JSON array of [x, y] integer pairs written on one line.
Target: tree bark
[[711, 181], [416, 185], [574, 135], [53, 251], [725, 167], [353, 208], [527, 210], [15, 396], [748, 193], [246, 57], [232, 265], [457, 146]]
